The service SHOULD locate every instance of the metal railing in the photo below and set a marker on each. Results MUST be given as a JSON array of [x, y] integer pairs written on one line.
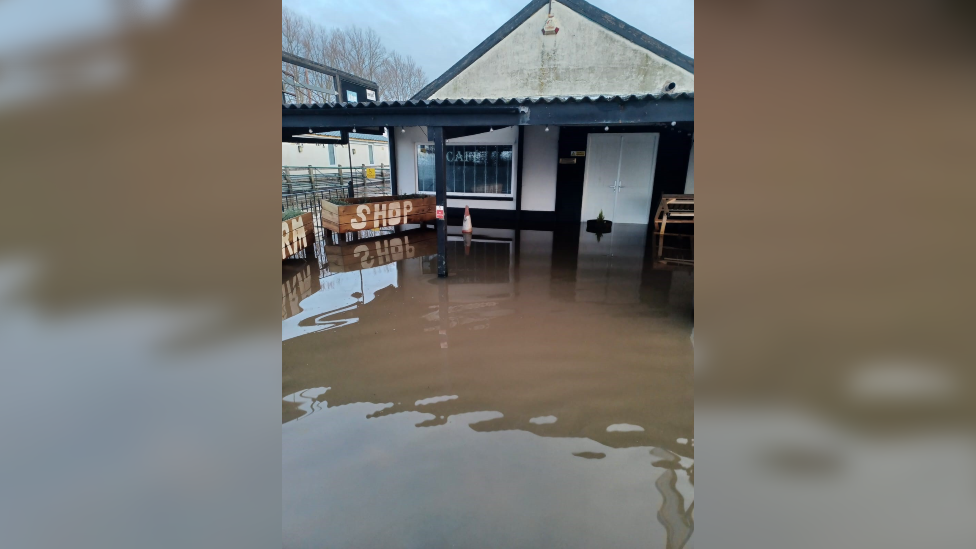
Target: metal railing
[[303, 188], [370, 178]]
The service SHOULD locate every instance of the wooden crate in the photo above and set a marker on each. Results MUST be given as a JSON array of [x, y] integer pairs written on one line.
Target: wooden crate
[[373, 252], [297, 234], [378, 212]]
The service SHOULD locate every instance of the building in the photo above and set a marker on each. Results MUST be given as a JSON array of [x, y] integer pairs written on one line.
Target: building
[[563, 112], [363, 148]]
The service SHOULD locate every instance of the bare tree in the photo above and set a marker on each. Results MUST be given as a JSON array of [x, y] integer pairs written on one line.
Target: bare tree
[[400, 77], [306, 39], [365, 51], [356, 50]]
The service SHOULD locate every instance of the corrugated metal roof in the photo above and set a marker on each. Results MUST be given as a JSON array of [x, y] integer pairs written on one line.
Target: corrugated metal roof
[[512, 101]]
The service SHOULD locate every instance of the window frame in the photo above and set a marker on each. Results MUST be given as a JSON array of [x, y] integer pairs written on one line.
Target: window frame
[[485, 196], [332, 155]]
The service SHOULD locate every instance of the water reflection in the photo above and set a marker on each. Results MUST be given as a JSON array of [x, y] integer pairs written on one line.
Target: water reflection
[[541, 395]]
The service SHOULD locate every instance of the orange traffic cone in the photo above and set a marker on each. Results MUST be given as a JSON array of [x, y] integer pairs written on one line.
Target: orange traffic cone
[[466, 225]]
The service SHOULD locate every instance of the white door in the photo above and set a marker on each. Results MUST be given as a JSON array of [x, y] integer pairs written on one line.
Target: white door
[[636, 180], [600, 175], [630, 158]]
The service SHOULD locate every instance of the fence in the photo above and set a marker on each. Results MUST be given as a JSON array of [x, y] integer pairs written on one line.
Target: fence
[[298, 179]]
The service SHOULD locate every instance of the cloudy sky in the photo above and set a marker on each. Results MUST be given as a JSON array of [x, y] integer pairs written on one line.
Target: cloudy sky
[[437, 33]]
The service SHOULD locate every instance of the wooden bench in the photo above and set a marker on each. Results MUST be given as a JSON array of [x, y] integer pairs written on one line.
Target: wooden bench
[[674, 208]]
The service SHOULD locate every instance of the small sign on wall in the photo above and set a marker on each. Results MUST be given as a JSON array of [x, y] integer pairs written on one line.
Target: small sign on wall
[[550, 26], [577, 153], [371, 173], [440, 212], [370, 95], [351, 96]]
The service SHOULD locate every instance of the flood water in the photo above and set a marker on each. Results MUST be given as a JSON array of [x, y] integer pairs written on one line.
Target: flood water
[[540, 396]]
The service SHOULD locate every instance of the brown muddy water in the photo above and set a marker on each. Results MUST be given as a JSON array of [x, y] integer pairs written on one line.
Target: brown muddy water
[[540, 396]]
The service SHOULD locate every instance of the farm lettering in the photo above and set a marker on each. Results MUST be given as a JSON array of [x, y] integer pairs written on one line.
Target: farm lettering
[[293, 238]]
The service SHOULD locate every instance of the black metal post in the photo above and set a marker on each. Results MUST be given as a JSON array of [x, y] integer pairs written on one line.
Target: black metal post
[[518, 177], [351, 176], [394, 188], [436, 134]]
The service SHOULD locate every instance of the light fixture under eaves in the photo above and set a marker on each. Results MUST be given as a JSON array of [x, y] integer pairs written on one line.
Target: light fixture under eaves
[[354, 129], [606, 128], [403, 130], [491, 129], [547, 128]]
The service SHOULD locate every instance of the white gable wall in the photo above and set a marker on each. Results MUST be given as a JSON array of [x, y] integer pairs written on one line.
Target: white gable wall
[[582, 59]]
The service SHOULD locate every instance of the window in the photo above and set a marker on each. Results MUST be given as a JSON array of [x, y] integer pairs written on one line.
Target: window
[[332, 155], [471, 169], [370, 154]]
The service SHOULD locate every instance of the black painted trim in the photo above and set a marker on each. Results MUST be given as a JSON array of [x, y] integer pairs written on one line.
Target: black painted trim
[[453, 132], [581, 7], [528, 217], [293, 135], [325, 69], [534, 216], [468, 197], [518, 177]]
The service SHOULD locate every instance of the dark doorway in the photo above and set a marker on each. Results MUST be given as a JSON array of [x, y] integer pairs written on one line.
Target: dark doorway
[[671, 167]]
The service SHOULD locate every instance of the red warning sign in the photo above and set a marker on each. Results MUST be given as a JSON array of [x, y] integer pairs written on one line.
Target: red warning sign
[[440, 212]]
